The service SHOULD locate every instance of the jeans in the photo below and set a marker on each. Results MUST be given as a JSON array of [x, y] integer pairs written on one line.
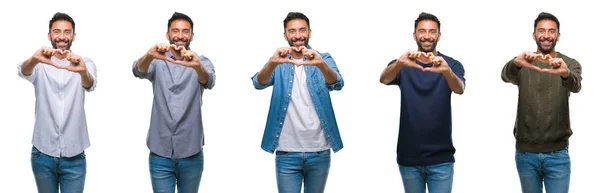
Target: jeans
[[183, 172], [292, 168], [438, 178], [551, 168], [52, 173]]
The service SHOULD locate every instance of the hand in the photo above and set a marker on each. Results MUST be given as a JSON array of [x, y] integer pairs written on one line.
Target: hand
[[177, 51], [439, 65], [190, 59], [557, 66], [409, 59], [76, 64], [44, 55], [158, 52], [526, 59], [313, 58], [281, 56]]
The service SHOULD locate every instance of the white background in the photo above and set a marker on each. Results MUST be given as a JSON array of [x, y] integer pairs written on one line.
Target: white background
[[240, 36]]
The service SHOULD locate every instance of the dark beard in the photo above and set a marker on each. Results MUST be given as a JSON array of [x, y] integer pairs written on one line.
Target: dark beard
[[56, 47], [423, 49], [544, 51], [187, 43]]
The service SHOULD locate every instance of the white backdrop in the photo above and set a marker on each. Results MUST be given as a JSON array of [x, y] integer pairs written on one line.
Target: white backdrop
[[240, 36]]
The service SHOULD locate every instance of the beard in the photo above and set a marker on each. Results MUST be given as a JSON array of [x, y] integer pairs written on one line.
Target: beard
[[422, 49], [291, 41], [541, 49], [56, 41], [187, 42]]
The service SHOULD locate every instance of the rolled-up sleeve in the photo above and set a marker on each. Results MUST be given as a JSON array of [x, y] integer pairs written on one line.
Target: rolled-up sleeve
[[258, 85], [144, 75], [31, 77], [91, 68], [210, 69], [339, 82]]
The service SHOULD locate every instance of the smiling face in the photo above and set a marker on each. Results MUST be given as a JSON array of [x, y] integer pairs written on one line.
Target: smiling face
[[546, 36], [61, 35], [180, 33], [427, 34], [297, 33]]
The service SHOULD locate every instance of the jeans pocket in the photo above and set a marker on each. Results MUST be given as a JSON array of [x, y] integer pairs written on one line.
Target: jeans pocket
[[35, 155], [281, 153], [325, 153], [520, 154], [561, 154]]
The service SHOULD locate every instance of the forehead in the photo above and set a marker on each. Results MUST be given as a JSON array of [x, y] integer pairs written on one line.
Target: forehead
[[181, 24], [296, 23], [427, 24], [546, 23], [62, 24]]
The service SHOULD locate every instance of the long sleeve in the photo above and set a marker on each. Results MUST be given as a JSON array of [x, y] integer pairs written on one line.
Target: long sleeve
[[573, 82], [510, 73]]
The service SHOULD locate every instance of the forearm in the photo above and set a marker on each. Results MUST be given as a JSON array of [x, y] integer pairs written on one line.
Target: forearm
[[143, 63], [86, 79], [328, 73], [202, 75], [28, 66], [573, 80], [264, 76], [455, 83], [390, 73], [510, 72]]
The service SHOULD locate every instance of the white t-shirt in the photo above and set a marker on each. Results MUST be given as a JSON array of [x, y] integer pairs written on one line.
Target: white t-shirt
[[302, 131]]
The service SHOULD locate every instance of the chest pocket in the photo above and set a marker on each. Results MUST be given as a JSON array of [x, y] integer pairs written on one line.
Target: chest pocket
[[317, 81]]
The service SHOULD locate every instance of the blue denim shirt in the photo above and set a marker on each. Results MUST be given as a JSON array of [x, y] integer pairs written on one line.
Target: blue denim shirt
[[282, 81]]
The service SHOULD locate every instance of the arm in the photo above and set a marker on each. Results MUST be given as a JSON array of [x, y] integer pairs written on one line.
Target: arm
[[88, 77], [206, 73], [573, 80], [332, 75], [456, 84], [390, 72], [510, 72]]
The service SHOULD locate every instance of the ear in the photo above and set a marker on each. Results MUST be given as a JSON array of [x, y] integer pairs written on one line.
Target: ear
[[557, 36], [533, 35], [309, 32], [192, 37], [167, 35], [49, 37], [415, 36], [285, 35], [73, 39], [439, 36]]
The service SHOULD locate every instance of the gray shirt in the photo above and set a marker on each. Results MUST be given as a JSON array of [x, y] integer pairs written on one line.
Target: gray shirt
[[176, 122], [60, 128]]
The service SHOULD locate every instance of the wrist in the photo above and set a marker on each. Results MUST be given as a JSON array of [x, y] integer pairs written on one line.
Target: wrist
[[566, 74]]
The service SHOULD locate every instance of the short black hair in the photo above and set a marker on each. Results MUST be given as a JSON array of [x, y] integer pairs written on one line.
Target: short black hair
[[180, 16], [546, 16], [58, 16], [427, 16], [295, 15]]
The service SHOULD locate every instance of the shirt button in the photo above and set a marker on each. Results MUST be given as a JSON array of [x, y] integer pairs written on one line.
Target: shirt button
[[281, 123], [284, 109], [276, 136]]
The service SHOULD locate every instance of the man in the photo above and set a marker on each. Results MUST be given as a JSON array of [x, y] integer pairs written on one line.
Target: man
[[426, 79], [545, 79], [176, 135], [301, 124], [60, 136]]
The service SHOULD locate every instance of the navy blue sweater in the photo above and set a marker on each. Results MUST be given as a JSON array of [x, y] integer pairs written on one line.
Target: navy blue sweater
[[425, 136]]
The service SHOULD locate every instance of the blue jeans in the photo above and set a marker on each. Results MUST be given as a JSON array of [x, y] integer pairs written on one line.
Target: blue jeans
[[438, 178], [183, 172], [294, 167], [551, 168], [52, 173]]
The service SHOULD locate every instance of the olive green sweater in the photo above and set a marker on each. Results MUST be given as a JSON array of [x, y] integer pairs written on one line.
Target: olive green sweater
[[543, 123]]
